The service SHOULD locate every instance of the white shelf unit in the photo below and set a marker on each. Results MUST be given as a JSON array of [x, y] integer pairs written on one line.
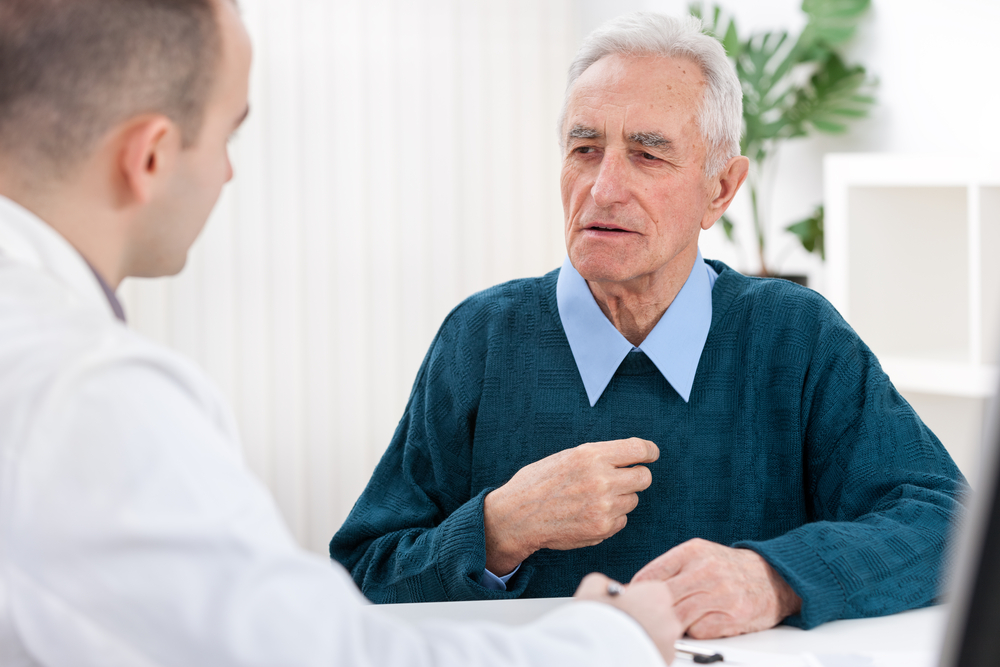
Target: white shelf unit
[[913, 263]]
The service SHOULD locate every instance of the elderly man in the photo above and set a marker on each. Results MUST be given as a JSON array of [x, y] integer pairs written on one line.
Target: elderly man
[[738, 440], [132, 533]]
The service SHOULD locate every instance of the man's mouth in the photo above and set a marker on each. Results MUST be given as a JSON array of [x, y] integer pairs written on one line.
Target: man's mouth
[[606, 228]]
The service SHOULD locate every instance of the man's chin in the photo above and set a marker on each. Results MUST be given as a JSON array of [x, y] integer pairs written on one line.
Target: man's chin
[[601, 267], [608, 274]]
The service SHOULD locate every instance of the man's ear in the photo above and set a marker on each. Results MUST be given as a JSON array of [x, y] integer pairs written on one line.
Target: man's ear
[[149, 148], [725, 185]]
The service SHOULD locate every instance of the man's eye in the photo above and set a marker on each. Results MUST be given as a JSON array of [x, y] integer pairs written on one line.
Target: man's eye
[[647, 156], [585, 149]]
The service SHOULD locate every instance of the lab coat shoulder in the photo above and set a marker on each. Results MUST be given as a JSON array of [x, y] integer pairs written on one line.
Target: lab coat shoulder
[[128, 517], [54, 346]]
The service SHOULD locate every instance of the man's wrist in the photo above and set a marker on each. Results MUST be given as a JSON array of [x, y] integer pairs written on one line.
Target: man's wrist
[[789, 603], [786, 600], [789, 600], [503, 553]]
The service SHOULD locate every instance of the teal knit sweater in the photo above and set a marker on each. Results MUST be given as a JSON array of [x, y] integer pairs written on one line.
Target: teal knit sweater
[[794, 444]]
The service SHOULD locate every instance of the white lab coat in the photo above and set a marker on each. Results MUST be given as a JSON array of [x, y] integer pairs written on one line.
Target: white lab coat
[[132, 533]]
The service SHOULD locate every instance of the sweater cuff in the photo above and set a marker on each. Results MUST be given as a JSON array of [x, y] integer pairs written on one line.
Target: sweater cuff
[[811, 577], [461, 542]]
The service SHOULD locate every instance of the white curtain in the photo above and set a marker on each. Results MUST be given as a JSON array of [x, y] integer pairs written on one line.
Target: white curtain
[[400, 155]]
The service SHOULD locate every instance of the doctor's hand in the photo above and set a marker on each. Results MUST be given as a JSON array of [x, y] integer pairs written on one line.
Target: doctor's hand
[[649, 603], [719, 591], [574, 498]]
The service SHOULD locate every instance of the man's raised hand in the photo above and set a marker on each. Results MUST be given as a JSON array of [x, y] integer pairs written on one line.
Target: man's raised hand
[[574, 498]]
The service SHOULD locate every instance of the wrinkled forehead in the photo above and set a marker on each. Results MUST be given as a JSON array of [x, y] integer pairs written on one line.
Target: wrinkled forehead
[[628, 90]]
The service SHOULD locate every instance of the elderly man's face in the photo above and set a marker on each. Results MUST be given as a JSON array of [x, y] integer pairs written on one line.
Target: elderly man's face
[[633, 186]]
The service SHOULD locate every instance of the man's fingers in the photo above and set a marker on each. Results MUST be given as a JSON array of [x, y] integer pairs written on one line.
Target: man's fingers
[[712, 626], [690, 611], [628, 452], [701, 611], [683, 585], [619, 524], [662, 567], [632, 480], [625, 503]]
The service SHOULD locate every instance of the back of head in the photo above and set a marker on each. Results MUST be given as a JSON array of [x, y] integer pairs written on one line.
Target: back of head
[[71, 70], [651, 34]]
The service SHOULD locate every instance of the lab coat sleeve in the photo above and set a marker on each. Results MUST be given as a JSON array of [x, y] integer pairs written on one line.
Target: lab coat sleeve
[[138, 537]]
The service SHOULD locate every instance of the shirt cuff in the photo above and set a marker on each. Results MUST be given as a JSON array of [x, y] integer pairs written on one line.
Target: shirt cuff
[[495, 583]]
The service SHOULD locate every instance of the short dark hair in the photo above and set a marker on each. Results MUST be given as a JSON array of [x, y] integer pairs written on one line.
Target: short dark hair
[[70, 70]]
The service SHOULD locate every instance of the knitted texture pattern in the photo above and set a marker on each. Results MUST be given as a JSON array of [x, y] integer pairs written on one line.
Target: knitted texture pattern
[[794, 444]]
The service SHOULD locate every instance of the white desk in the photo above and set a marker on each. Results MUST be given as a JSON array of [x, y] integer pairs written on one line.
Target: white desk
[[910, 639]]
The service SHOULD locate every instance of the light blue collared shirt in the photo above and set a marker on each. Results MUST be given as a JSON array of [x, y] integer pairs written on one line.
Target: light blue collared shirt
[[674, 345]]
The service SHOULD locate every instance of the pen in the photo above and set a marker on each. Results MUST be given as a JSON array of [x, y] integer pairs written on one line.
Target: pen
[[699, 655]]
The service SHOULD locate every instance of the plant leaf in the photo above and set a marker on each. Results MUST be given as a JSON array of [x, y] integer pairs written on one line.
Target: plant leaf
[[760, 67], [727, 227], [731, 41], [832, 95], [831, 22], [810, 232]]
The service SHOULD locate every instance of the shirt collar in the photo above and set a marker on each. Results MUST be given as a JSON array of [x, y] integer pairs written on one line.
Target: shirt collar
[[26, 239], [109, 294], [674, 345]]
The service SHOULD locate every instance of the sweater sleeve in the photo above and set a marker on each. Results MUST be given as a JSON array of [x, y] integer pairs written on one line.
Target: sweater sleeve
[[416, 533], [882, 490]]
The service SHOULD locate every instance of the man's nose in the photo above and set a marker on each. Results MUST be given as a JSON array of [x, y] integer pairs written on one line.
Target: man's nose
[[611, 186]]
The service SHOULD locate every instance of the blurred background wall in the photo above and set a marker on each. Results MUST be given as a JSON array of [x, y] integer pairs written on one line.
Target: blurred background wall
[[401, 155]]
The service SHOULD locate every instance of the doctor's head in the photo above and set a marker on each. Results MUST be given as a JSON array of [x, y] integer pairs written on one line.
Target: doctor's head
[[122, 109], [650, 132]]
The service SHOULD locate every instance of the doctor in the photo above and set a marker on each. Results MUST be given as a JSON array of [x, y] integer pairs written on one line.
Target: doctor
[[131, 533]]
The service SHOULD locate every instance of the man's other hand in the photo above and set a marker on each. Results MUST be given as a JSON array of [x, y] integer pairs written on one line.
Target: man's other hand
[[648, 602], [719, 591], [574, 498]]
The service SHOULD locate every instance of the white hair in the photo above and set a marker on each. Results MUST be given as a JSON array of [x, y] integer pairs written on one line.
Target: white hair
[[649, 34]]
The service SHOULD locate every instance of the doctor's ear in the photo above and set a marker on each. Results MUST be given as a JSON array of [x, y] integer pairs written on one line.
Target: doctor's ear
[[149, 146]]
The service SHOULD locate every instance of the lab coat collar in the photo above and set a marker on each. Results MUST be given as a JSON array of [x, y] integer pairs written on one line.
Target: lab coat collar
[[26, 239]]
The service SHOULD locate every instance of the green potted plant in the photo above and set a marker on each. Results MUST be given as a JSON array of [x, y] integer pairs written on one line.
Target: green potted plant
[[793, 87]]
